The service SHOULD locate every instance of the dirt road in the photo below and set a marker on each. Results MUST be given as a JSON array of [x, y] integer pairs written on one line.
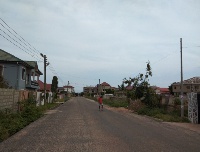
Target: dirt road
[[78, 126]]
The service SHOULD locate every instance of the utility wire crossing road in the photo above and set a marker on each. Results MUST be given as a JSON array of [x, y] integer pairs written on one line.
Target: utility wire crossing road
[[78, 126]]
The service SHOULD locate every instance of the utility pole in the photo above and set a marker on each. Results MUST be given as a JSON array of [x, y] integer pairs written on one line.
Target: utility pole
[[67, 87], [45, 65], [182, 103], [45, 69], [99, 87]]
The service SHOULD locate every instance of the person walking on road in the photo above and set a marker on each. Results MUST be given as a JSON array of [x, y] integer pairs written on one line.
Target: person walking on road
[[100, 99]]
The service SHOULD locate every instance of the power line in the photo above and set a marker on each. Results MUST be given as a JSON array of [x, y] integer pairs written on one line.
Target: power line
[[50, 67], [16, 45], [22, 44], [19, 43], [19, 37], [161, 59]]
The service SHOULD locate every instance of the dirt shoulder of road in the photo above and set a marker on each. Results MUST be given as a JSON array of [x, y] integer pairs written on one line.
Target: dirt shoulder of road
[[189, 126]]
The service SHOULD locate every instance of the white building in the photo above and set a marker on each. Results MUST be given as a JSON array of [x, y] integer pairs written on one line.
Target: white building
[[69, 89]]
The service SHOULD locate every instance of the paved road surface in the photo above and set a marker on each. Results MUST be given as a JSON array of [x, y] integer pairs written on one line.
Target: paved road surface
[[78, 126]]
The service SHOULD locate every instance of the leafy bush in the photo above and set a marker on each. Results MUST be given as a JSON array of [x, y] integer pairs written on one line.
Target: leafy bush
[[151, 111], [115, 103], [3, 133], [31, 113], [140, 84], [163, 114], [151, 99], [177, 101], [11, 123]]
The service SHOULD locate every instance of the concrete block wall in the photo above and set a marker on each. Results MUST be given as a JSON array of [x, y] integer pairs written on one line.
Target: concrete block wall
[[9, 99]]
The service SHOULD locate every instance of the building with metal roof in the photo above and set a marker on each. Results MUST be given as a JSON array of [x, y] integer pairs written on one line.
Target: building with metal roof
[[19, 74]]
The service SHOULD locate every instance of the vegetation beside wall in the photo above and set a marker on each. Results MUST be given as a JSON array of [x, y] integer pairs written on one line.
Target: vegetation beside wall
[[163, 114], [113, 102], [10, 122], [147, 102], [116, 102]]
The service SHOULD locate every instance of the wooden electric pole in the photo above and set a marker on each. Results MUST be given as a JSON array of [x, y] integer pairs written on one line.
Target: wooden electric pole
[[45, 66]]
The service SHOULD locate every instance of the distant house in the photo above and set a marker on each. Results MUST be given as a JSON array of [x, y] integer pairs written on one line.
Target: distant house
[[90, 90], [68, 89], [99, 88], [164, 91], [20, 74], [161, 91], [105, 86], [60, 89], [189, 85], [41, 85], [114, 88], [65, 91]]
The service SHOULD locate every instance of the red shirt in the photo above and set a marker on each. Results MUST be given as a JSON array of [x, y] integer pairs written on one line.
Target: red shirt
[[100, 100]]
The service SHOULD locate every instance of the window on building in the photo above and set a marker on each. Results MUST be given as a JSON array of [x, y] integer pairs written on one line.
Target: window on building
[[196, 87], [27, 78], [23, 74], [174, 87], [1, 70], [188, 87]]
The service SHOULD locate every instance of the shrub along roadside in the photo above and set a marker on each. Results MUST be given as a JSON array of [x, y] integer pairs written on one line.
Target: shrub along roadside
[[163, 114], [10, 123], [113, 103], [116, 103]]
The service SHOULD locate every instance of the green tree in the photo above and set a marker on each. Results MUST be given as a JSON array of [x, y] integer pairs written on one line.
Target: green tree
[[141, 89], [54, 84], [170, 90], [121, 87], [109, 91]]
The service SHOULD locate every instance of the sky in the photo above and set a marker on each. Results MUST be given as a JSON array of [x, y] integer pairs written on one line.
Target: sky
[[88, 40]]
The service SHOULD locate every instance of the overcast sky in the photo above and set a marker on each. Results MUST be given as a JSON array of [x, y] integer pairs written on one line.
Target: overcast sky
[[88, 40]]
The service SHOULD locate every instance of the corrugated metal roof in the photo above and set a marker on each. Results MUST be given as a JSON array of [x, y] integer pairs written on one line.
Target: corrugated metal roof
[[5, 56], [32, 63]]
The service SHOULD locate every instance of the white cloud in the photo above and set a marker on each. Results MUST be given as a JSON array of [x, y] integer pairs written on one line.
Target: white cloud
[[108, 39]]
